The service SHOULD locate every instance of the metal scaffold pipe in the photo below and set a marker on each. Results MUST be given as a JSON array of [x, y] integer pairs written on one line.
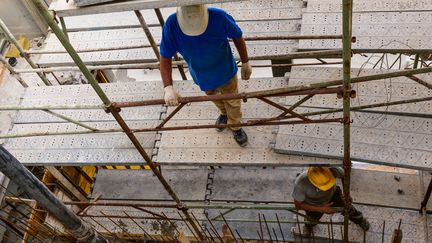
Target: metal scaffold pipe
[[40, 5], [12, 71], [14, 41], [14, 170], [346, 56]]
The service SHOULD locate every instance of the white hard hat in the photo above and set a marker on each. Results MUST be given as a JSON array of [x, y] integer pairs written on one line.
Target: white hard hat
[[193, 19]]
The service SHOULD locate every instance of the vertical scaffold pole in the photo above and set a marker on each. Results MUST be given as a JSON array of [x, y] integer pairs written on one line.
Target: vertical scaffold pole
[[346, 43], [49, 18]]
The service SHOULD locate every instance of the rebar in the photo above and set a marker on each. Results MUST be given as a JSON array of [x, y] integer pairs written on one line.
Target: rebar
[[280, 227], [268, 228], [299, 229], [215, 231], [229, 228], [139, 226], [261, 229]]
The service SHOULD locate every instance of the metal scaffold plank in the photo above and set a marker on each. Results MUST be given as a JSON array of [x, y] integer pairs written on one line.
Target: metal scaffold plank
[[135, 36], [111, 89], [369, 5], [250, 11], [190, 184], [376, 30], [128, 36], [136, 113], [69, 8], [146, 55], [373, 92], [208, 147], [380, 139], [250, 226]]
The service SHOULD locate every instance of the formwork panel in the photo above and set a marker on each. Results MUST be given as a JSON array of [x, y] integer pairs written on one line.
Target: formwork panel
[[189, 184]]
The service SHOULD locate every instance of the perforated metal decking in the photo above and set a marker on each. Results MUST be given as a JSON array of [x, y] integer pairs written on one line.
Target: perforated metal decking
[[379, 26], [256, 18], [393, 139]]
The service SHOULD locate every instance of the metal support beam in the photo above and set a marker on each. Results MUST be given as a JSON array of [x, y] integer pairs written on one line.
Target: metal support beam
[[148, 33], [14, 41], [115, 112], [346, 43], [13, 169]]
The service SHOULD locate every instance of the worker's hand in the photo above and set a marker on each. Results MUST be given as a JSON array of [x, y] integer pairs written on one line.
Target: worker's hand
[[327, 208], [171, 96], [246, 71]]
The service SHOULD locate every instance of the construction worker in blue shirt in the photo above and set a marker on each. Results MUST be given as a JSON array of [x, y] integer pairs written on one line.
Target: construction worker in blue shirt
[[200, 35], [315, 192]]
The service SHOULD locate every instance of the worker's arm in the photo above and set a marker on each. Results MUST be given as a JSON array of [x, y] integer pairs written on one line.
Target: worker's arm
[[166, 71], [311, 208], [246, 70], [171, 96]]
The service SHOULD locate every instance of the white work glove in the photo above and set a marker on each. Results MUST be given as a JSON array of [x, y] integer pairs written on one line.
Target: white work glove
[[171, 96], [246, 71]]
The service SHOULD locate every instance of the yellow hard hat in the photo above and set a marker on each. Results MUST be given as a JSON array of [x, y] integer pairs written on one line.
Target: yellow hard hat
[[321, 177]]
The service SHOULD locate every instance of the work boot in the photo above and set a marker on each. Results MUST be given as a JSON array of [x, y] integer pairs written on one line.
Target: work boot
[[240, 137], [364, 224], [221, 120]]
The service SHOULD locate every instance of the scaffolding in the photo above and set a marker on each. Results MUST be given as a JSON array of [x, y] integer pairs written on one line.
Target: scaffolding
[[287, 116]]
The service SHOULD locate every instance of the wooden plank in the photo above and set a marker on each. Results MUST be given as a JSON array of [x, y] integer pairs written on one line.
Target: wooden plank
[[68, 186]]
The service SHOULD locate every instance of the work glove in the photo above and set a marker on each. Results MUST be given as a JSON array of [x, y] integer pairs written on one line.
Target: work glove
[[171, 96], [246, 71]]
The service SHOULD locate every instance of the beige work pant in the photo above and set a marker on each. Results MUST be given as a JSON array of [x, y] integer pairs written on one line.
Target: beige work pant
[[230, 108]]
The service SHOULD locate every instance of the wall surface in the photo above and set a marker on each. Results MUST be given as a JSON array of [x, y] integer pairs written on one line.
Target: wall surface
[[21, 18]]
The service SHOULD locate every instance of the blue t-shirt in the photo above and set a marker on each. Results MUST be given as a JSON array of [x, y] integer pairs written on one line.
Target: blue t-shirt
[[209, 57]]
